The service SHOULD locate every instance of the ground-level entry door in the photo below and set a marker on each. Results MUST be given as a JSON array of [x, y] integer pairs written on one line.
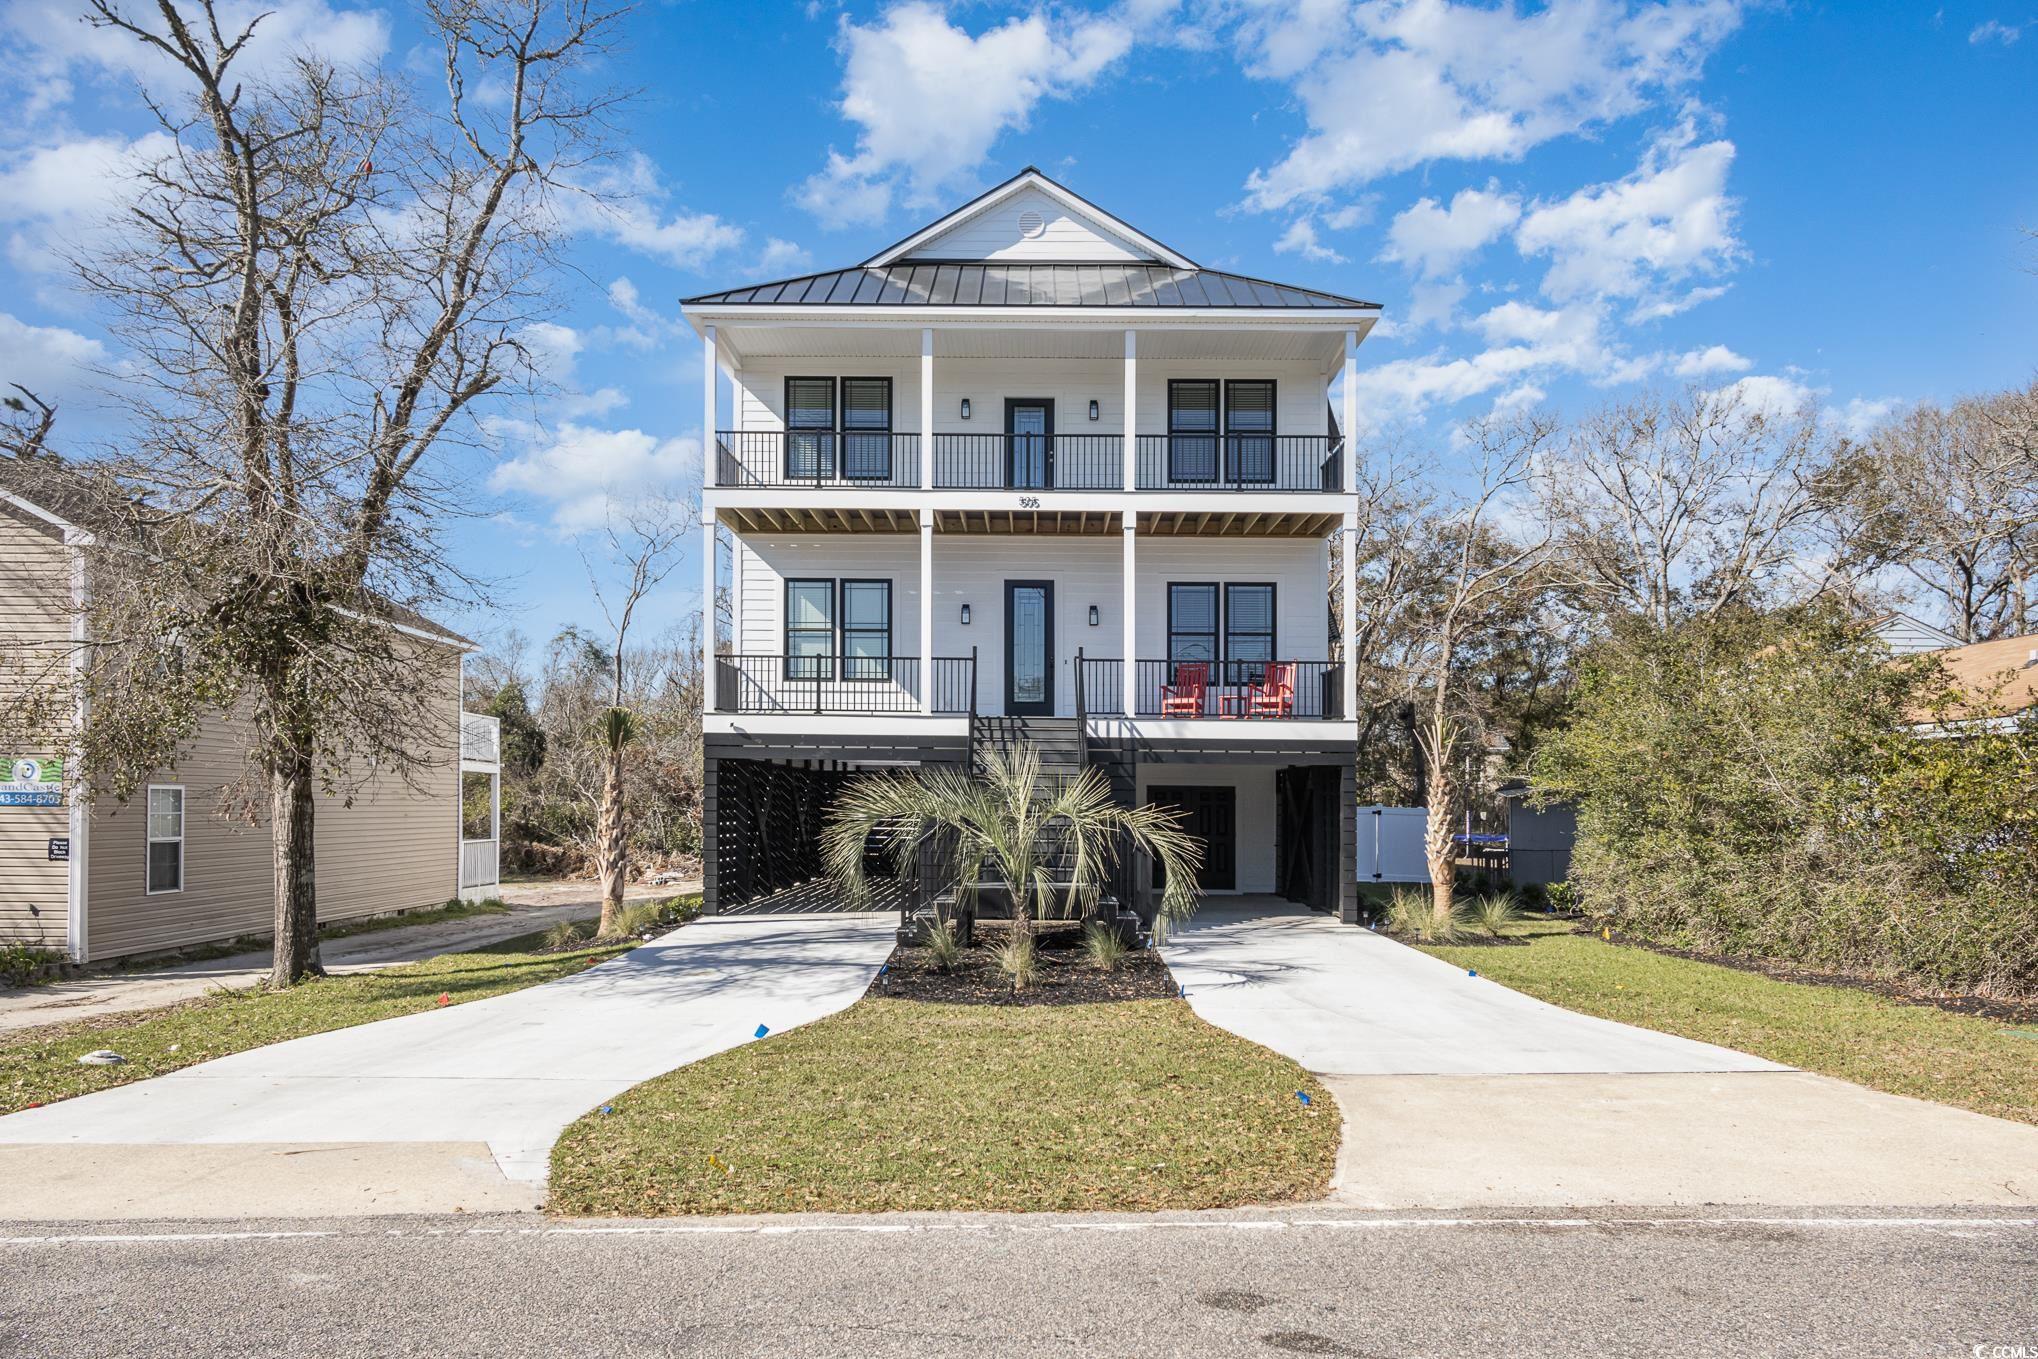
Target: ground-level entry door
[[1211, 815], [1029, 648], [1029, 427]]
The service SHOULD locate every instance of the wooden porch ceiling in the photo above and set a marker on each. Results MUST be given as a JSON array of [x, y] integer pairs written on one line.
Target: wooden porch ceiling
[[1046, 521]]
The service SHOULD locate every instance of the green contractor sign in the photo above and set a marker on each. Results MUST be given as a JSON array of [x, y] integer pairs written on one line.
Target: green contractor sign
[[28, 781]]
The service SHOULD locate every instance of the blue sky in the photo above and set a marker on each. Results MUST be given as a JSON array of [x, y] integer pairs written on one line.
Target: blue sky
[[1554, 203]]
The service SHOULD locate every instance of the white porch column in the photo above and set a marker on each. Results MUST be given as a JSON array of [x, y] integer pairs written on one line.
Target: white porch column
[[1347, 565], [708, 609], [1129, 667], [1351, 413], [711, 460], [1131, 411], [926, 611], [926, 416]]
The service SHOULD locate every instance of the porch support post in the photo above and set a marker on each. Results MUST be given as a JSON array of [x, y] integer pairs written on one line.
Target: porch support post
[[1129, 667], [926, 421], [1347, 565], [710, 444], [926, 611], [708, 609], [1131, 422], [1351, 413]]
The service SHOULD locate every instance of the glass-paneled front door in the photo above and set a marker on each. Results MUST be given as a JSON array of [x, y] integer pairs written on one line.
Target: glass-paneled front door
[[1029, 648]]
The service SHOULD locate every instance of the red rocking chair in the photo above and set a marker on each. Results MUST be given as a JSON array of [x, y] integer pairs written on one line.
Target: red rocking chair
[[1184, 698], [1274, 695]]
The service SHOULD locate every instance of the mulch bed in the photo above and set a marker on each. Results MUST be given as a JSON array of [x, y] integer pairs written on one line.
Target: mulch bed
[[1066, 977], [2020, 1011]]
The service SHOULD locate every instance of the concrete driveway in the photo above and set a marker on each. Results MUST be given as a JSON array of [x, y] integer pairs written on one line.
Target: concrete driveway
[[1458, 1092], [448, 1108]]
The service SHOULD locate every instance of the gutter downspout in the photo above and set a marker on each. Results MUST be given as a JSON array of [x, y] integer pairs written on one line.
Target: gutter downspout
[[78, 905]]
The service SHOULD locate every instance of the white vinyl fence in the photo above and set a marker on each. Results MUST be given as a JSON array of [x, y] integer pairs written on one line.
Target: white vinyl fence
[[1390, 844]]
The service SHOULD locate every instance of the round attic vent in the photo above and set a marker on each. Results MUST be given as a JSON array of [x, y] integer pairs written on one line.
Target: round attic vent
[[1031, 223]]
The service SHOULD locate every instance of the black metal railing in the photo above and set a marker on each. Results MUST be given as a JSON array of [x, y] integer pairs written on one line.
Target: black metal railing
[[1029, 462], [816, 457], [1240, 462], [1101, 682], [841, 684], [1247, 690]]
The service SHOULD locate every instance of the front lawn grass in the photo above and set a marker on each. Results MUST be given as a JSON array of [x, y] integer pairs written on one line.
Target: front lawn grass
[[40, 1065], [1855, 1035], [899, 1104]]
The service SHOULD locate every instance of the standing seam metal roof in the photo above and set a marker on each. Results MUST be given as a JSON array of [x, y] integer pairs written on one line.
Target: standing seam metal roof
[[981, 283]]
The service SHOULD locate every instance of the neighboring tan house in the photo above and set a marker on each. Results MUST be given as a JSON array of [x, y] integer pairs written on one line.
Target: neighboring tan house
[[2003, 673], [1030, 474], [1907, 636], [103, 880]]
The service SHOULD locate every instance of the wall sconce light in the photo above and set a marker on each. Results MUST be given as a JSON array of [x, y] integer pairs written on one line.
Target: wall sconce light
[[1093, 409], [965, 408], [1093, 616], [965, 615]]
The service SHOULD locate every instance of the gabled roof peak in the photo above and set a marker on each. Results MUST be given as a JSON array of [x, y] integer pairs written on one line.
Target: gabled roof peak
[[1031, 179]]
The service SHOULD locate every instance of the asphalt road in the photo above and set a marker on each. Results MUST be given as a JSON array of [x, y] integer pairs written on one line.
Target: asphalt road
[[1226, 1285]]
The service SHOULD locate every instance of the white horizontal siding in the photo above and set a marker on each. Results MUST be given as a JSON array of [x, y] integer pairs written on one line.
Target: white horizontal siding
[[1302, 405], [994, 234], [973, 568]]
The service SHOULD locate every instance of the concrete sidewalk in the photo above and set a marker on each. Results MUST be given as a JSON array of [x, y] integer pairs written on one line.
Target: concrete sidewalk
[[454, 1108], [533, 907], [1460, 1093]]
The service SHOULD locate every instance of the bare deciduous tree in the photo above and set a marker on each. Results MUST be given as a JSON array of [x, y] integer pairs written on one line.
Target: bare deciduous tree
[[316, 285], [1947, 498], [1670, 507], [643, 542]]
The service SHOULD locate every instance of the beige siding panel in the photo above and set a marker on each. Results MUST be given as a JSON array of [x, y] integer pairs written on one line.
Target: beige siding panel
[[396, 848], [35, 628]]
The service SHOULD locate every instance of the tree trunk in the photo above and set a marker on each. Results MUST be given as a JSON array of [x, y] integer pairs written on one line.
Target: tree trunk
[[1436, 841], [611, 842], [292, 852]]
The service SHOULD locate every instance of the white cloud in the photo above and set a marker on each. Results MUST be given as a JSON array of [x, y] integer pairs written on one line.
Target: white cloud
[[1996, 31], [580, 468], [1388, 85], [1859, 417], [1669, 219], [930, 100], [1436, 239], [61, 195], [58, 365], [1301, 239], [1435, 302], [1706, 362], [782, 258], [54, 46], [625, 202], [1767, 394]]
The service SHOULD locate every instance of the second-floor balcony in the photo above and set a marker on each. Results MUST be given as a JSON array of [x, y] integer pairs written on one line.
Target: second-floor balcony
[[881, 460]]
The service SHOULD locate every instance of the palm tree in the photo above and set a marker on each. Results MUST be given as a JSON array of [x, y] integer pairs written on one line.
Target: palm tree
[[1012, 821], [616, 729]]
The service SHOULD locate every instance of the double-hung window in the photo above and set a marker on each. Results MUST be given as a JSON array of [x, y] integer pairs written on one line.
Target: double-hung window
[[809, 428], [1249, 432], [1248, 632], [810, 629], [1192, 624], [867, 428], [826, 618], [1192, 430], [866, 629], [166, 839]]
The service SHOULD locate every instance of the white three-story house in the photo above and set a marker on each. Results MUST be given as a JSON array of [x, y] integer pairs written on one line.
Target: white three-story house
[[1030, 473]]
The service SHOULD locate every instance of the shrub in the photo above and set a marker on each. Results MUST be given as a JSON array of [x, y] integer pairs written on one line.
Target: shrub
[[1414, 912], [1105, 946], [566, 934], [26, 965], [943, 944], [1017, 960], [1496, 913]]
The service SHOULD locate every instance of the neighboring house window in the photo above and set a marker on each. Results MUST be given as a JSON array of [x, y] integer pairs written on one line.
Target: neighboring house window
[[166, 839], [1192, 430], [810, 428], [866, 629], [1248, 632], [1249, 432], [1192, 624], [867, 428], [810, 629]]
